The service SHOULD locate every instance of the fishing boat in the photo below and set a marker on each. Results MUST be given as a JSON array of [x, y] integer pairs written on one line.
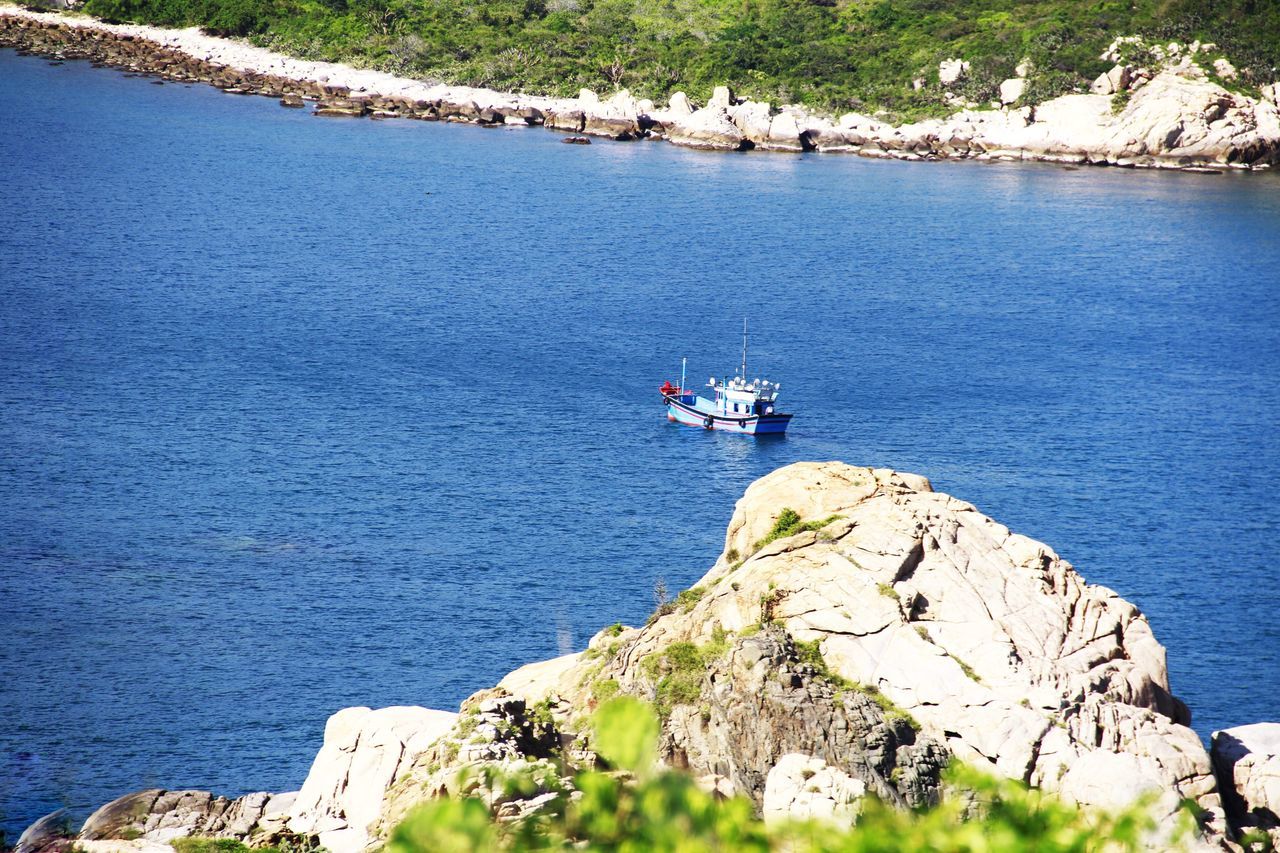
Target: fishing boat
[[735, 405]]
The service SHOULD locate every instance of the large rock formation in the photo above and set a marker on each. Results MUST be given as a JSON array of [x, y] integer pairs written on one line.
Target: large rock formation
[[897, 627], [1247, 761], [857, 632]]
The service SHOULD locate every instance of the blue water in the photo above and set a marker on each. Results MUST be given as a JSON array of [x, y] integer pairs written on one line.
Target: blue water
[[300, 413]]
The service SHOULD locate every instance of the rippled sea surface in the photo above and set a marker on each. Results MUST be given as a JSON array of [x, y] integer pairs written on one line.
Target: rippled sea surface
[[301, 413]]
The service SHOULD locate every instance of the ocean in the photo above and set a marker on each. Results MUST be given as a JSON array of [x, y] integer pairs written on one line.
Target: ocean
[[302, 413]]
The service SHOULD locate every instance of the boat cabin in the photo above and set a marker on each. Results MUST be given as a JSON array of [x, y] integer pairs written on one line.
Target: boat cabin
[[737, 396]]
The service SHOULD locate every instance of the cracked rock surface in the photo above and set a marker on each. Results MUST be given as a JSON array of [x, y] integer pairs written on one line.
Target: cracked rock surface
[[999, 649]]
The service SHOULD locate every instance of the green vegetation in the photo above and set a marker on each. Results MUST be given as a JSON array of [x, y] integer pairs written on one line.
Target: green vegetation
[[604, 689], [540, 715], [789, 523], [835, 54], [688, 598], [468, 723], [683, 602], [969, 671], [810, 653], [216, 845], [677, 670], [652, 810]]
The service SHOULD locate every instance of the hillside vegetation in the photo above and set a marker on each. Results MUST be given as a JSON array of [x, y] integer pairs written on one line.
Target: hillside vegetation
[[833, 54]]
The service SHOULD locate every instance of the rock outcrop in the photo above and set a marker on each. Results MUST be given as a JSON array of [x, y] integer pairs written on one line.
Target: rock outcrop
[[364, 753], [1171, 115], [158, 816], [858, 631], [899, 627], [1247, 761], [49, 833]]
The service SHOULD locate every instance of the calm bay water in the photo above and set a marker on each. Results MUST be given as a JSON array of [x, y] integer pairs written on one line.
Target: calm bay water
[[297, 414]]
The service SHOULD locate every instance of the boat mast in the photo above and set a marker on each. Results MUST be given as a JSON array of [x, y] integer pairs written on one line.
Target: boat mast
[[683, 362], [744, 349]]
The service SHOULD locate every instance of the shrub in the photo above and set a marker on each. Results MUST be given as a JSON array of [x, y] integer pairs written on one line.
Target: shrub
[[197, 844], [678, 670], [789, 523]]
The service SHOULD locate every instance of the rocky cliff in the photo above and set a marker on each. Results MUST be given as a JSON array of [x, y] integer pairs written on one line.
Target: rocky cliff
[[858, 631], [1168, 113]]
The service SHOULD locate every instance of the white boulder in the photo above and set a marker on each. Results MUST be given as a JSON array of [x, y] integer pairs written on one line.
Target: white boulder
[[721, 97], [1115, 80], [801, 787], [1224, 69], [951, 71], [1247, 761], [364, 752], [1012, 89], [680, 106], [709, 128]]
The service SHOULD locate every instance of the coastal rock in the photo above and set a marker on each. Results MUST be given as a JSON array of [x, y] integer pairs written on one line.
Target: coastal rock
[[45, 834], [1175, 120], [898, 628], [570, 120], [760, 702], [157, 815], [800, 786], [1247, 761], [721, 98], [709, 128], [364, 753], [680, 107], [618, 117], [993, 643], [752, 118], [1224, 69], [496, 735], [353, 107], [787, 134]]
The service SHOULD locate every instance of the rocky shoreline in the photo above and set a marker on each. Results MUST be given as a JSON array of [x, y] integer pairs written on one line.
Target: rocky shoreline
[[857, 653], [1170, 117]]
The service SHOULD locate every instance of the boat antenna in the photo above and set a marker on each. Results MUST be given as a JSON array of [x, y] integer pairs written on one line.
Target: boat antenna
[[744, 349]]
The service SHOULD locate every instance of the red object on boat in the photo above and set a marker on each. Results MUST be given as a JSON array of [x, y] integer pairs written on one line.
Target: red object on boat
[[667, 388]]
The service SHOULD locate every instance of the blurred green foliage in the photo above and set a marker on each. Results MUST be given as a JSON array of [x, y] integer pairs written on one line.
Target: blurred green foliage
[[635, 808]]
